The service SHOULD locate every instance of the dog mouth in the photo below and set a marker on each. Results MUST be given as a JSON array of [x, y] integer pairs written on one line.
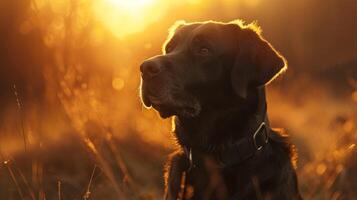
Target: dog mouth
[[166, 111], [168, 106]]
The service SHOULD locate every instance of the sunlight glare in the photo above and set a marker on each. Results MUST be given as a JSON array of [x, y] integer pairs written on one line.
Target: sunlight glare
[[123, 17], [132, 4]]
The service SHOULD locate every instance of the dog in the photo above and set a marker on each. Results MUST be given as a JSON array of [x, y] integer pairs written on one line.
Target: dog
[[211, 77]]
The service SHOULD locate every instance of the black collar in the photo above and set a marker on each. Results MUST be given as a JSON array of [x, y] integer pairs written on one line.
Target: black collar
[[235, 153]]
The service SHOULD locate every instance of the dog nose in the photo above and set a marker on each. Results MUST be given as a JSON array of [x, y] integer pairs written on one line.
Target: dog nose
[[150, 69]]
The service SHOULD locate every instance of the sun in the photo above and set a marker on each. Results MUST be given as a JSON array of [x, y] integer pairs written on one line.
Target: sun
[[131, 4], [124, 17]]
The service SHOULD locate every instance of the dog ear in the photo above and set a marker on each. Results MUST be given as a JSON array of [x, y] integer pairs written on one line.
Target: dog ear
[[257, 62], [172, 30]]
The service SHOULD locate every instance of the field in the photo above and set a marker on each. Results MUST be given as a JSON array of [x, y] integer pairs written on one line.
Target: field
[[72, 125]]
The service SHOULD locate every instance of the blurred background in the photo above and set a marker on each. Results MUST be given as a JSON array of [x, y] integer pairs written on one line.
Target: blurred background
[[71, 122]]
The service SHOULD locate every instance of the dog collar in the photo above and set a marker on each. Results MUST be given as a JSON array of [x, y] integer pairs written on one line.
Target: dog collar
[[237, 152]]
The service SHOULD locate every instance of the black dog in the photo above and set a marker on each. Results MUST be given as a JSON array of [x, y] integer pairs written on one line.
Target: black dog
[[211, 77]]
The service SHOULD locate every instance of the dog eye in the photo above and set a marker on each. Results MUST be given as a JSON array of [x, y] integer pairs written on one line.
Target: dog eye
[[203, 51]]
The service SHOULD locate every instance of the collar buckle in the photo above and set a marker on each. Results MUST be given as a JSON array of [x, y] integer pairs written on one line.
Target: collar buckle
[[256, 134]]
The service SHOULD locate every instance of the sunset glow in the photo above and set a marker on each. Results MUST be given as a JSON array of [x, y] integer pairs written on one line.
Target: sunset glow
[[73, 124], [124, 17]]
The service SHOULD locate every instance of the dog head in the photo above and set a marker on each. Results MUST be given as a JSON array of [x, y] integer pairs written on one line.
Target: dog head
[[206, 64]]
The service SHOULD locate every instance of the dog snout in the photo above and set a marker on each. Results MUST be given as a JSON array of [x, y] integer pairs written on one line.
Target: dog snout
[[150, 68]]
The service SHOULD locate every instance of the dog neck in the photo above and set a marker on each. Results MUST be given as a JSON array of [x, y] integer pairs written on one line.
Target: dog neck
[[215, 126]]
